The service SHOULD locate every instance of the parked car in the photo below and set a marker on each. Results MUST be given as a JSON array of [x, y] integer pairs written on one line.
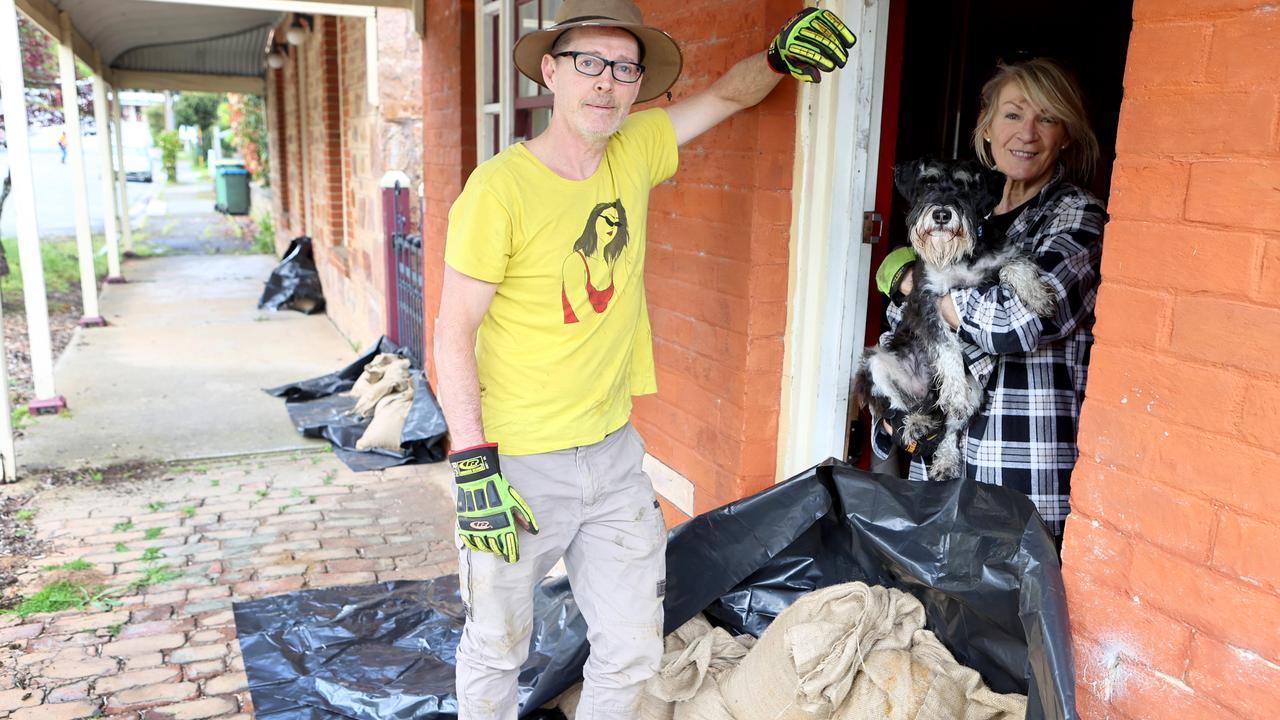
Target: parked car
[[138, 164]]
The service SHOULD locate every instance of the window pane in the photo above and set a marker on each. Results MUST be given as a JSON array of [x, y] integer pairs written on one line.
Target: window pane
[[527, 22], [490, 55]]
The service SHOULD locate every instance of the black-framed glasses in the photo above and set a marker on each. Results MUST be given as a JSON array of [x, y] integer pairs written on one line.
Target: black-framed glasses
[[594, 65]]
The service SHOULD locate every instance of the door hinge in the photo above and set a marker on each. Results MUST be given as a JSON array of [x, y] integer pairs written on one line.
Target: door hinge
[[872, 227]]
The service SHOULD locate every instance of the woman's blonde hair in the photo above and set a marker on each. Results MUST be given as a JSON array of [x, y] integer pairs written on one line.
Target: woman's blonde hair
[[1048, 87]]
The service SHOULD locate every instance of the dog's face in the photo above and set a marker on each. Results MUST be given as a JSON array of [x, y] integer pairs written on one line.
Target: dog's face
[[948, 199]]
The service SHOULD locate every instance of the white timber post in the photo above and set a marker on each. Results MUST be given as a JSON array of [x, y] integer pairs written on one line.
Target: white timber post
[[102, 120], [24, 199], [92, 316], [117, 121]]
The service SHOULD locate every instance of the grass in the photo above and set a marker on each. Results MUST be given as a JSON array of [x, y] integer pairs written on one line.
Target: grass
[[187, 511], [19, 415], [68, 595], [264, 241], [122, 526], [60, 595], [77, 564], [25, 514], [121, 547], [151, 553], [215, 482], [155, 575], [262, 493], [61, 264], [152, 533], [155, 506]]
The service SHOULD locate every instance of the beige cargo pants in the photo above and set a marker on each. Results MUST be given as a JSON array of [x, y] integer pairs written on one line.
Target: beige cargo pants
[[597, 509]]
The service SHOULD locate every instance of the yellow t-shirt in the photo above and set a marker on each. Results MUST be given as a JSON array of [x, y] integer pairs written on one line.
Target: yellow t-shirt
[[566, 341]]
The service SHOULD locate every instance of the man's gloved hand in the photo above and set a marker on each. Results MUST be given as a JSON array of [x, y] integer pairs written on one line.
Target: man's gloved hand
[[922, 446], [488, 507], [812, 42]]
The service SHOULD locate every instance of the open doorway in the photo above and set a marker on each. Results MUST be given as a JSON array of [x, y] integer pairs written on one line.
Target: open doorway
[[939, 54]]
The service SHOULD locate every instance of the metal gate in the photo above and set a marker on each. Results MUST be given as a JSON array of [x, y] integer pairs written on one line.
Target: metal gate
[[405, 252]]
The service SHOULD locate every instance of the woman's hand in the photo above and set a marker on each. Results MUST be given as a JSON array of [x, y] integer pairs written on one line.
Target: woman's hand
[[907, 283], [947, 308]]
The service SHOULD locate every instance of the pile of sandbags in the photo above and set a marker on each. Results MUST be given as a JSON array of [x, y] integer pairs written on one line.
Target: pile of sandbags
[[383, 394], [846, 652]]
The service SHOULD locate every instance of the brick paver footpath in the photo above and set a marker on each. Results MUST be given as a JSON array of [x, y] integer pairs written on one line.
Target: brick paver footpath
[[180, 551]]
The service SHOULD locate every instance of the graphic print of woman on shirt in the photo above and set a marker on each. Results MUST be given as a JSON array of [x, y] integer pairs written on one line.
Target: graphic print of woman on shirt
[[588, 271]]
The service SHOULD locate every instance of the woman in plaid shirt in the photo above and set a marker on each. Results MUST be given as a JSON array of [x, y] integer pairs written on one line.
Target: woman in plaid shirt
[[1032, 128]]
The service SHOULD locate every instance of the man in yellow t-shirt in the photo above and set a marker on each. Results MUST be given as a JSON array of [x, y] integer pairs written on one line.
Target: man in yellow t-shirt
[[543, 338]]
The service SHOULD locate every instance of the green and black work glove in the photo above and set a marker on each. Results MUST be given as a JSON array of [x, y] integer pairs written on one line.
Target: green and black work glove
[[488, 507], [812, 42]]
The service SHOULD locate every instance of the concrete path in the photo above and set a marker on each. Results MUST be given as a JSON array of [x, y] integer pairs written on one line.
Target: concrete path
[[177, 377], [225, 532], [179, 371]]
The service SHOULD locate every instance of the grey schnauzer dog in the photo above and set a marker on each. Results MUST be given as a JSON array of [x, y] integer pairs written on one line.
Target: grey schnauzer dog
[[919, 377]]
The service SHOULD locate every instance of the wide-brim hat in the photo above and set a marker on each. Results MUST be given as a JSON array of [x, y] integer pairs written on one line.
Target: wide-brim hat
[[659, 54]]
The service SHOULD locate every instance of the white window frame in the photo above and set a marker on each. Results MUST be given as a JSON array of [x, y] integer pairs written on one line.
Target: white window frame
[[507, 109], [504, 108]]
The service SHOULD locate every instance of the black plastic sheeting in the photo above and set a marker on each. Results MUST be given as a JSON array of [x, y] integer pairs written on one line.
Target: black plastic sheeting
[[978, 557], [318, 409], [294, 283]]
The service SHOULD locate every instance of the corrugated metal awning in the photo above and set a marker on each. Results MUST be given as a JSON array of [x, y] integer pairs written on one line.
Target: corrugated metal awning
[[183, 44]]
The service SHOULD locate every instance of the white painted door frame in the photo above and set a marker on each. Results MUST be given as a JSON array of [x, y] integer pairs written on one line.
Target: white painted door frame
[[837, 152]]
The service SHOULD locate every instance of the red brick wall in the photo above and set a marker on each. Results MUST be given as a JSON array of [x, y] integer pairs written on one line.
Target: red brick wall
[[717, 268], [1169, 556], [351, 143], [448, 137]]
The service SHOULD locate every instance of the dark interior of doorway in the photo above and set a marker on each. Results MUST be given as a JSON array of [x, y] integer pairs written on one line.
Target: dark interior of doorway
[[939, 54]]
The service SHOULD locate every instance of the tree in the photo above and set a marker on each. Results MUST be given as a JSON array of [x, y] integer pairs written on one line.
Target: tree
[[199, 110]]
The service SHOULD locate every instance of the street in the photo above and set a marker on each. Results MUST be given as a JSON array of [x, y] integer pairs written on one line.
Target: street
[[55, 205]]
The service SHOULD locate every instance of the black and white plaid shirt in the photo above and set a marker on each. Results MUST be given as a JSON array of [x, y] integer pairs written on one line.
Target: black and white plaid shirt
[[1033, 369]]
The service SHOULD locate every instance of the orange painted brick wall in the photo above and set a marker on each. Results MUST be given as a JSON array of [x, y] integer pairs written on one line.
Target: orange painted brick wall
[[1172, 576], [718, 241], [717, 265], [448, 139]]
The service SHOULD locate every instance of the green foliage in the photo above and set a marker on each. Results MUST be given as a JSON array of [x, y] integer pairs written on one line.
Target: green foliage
[[121, 547], [155, 575], [151, 553], [61, 266], [122, 526], [77, 564], [25, 514], [60, 595], [152, 533], [200, 110], [19, 416], [247, 114], [264, 238], [155, 121], [197, 108], [170, 145], [187, 511]]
